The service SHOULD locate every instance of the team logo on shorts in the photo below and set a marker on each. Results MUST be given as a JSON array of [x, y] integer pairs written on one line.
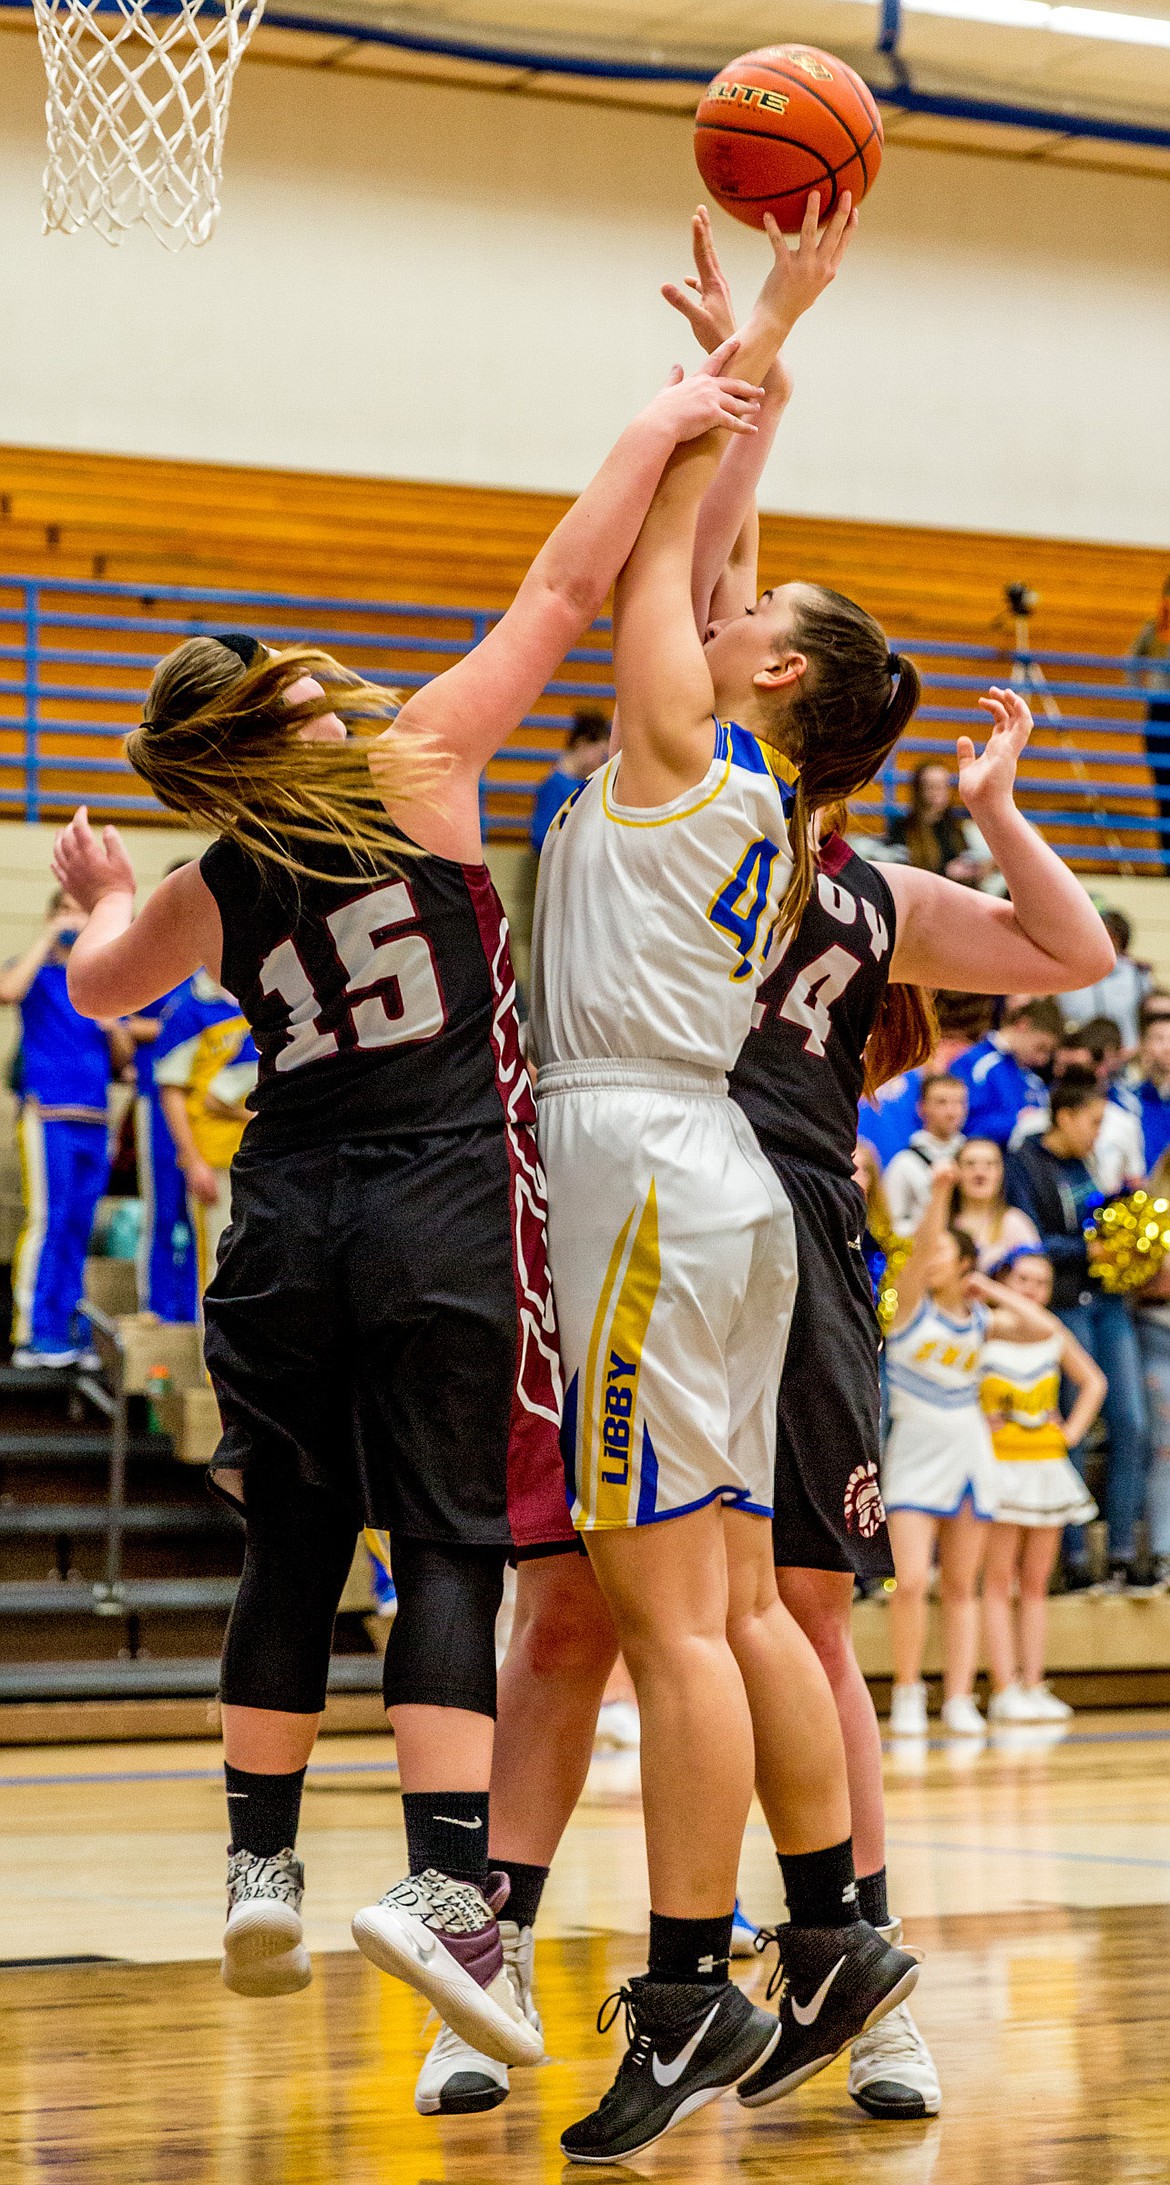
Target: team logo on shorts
[[865, 1512]]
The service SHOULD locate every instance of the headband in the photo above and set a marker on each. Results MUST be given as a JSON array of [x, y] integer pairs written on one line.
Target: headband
[[246, 649]]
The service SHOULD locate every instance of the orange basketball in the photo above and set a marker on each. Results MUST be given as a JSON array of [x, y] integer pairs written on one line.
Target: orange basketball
[[780, 122]]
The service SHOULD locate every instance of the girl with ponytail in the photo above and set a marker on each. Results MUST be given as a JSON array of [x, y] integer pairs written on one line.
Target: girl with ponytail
[[848, 1005]]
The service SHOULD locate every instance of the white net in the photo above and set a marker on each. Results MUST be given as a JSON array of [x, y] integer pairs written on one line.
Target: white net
[[137, 111]]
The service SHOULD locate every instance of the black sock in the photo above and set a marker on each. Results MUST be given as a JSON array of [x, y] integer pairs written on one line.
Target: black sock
[[872, 1902], [263, 1810], [689, 1949], [820, 1887], [526, 1891], [447, 1829]]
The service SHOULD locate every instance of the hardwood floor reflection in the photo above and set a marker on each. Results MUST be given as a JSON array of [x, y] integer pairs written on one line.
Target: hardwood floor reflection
[[1051, 2031]]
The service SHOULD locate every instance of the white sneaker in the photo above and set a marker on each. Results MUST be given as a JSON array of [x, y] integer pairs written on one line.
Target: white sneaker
[[891, 2070], [263, 1947], [456, 2079], [1010, 1705], [1043, 1705], [961, 1717], [443, 1938], [908, 1710], [619, 1727]]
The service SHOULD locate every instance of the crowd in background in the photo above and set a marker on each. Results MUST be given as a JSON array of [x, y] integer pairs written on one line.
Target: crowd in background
[[1061, 1106], [184, 1069]]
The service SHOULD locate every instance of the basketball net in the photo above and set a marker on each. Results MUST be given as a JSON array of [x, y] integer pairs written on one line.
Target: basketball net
[[137, 112]]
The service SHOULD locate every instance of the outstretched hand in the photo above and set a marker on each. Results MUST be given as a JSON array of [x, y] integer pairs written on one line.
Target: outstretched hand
[[989, 777], [705, 302], [88, 869], [799, 276], [707, 399]]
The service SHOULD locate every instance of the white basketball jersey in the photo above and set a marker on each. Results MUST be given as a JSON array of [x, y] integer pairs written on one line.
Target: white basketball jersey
[[652, 926]]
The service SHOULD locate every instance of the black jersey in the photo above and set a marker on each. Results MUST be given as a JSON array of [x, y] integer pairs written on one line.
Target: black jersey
[[380, 1005], [800, 1075]]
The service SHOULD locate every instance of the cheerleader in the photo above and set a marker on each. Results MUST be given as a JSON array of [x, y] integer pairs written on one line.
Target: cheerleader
[[939, 1473], [1038, 1489]]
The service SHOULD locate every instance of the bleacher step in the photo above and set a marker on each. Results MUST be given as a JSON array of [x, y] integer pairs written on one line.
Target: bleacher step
[[22, 1520], [159, 1596], [81, 1448], [152, 1677]]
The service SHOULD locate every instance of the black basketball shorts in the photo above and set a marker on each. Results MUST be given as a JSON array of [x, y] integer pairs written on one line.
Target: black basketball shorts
[[381, 1325], [828, 1510]]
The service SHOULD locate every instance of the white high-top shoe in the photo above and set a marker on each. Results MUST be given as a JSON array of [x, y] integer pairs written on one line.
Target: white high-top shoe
[[457, 2079], [891, 2070], [263, 1949]]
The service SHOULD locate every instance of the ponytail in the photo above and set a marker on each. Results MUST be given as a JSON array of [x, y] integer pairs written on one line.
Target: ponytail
[[850, 707], [904, 1036]]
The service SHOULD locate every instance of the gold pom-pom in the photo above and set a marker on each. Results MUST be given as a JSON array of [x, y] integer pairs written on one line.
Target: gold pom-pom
[[1130, 1239], [897, 1250]]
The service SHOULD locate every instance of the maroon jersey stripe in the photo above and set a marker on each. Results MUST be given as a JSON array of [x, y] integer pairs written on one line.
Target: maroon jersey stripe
[[537, 1507]]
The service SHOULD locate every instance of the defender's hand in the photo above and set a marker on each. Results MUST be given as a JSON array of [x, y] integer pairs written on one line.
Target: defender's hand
[[988, 780], [88, 869]]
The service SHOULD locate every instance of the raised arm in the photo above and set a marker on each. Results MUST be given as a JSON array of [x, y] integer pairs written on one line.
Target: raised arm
[[912, 1279], [16, 978], [727, 535], [119, 962], [475, 705], [1045, 939], [663, 683]]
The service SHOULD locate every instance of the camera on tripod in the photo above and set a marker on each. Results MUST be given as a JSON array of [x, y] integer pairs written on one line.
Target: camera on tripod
[[1021, 599]]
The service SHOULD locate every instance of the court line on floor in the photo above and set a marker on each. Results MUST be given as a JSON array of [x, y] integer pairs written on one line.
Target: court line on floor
[[390, 1767], [187, 1775], [1026, 1851]]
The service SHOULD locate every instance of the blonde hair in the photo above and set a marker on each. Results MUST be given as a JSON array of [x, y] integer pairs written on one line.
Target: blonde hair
[[220, 744]]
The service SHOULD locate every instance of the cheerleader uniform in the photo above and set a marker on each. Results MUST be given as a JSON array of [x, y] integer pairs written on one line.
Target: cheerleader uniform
[[939, 1452], [1020, 1388]]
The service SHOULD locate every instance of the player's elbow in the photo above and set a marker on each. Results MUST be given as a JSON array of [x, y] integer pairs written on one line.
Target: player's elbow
[[89, 990], [1097, 959]]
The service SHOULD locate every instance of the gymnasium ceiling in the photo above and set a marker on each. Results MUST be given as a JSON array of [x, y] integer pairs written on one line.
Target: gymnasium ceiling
[[945, 59]]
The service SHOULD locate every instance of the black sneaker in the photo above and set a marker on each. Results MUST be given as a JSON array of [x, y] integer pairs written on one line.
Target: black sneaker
[[830, 1984], [687, 2044]]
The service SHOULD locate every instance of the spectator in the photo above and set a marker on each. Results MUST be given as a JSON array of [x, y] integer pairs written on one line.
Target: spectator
[[586, 748], [887, 1121], [933, 834], [1152, 643], [205, 1066], [1050, 1179], [980, 1205], [962, 1019], [66, 1065], [1121, 992], [942, 1104], [1152, 1089], [1000, 1072]]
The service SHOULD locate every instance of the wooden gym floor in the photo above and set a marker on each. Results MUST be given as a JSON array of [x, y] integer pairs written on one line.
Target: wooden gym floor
[[1035, 1876]]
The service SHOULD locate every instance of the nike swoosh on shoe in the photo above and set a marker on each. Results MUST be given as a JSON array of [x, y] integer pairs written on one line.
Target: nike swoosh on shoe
[[668, 2074], [806, 2014]]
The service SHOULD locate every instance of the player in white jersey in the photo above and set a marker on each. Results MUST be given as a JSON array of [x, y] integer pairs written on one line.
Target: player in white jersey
[[677, 1260], [674, 1269]]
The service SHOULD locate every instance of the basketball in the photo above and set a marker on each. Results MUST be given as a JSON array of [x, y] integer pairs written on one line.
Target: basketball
[[780, 122]]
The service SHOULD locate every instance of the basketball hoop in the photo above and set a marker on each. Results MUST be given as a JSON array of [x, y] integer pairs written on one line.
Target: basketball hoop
[[137, 111]]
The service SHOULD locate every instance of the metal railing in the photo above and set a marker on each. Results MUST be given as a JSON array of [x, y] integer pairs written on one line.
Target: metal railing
[[76, 657]]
